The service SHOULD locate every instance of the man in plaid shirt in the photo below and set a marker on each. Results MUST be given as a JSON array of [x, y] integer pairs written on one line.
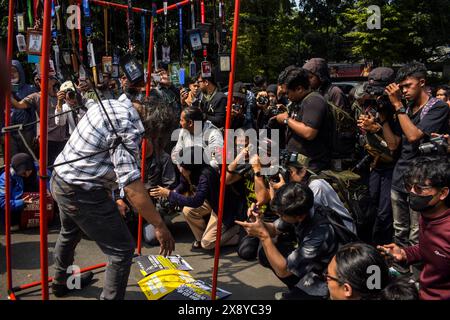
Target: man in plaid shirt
[[83, 189]]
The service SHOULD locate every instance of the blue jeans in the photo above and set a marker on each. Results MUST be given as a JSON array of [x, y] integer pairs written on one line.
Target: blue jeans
[[94, 213]]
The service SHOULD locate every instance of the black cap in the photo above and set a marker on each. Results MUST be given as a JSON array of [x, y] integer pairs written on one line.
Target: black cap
[[273, 88], [239, 90], [381, 76], [22, 162]]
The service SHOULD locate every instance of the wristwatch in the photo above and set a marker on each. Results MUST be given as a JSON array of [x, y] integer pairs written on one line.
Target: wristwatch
[[402, 110], [285, 121]]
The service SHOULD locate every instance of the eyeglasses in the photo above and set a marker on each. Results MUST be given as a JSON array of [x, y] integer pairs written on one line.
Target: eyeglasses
[[416, 188], [326, 277]]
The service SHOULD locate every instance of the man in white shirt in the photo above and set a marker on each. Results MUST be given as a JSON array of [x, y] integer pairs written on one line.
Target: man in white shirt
[[196, 132]]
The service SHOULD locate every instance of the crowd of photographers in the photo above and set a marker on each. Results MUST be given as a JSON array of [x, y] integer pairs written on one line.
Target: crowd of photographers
[[355, 207]]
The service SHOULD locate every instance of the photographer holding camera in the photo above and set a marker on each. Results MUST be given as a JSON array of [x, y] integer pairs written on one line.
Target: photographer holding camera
[[421, 116], [190, 96], [267, 106], [69, 101], [307, 121], [380, 142], [294, 168], [239, 107], [297, 264]]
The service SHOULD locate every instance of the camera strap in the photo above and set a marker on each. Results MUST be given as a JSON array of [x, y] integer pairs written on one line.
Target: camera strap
[[426, 108]]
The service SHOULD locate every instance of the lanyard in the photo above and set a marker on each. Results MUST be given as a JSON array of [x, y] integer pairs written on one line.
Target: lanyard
[[105, 26], [130, 23], [144, 36], [180, 25]]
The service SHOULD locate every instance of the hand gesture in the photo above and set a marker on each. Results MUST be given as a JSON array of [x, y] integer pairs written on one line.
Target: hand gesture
[[394, 251]]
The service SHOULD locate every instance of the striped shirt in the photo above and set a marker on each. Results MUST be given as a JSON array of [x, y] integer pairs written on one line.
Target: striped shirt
[[93, 134]]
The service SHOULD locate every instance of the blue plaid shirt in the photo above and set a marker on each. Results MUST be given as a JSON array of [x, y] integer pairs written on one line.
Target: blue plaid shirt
[[93, 134]]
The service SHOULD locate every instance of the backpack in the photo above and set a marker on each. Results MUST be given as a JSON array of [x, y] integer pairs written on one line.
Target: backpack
[[342, 131], [342, 233], [355, 196]]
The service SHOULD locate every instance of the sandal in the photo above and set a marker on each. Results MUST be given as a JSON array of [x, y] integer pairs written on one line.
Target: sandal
[[196, 246]]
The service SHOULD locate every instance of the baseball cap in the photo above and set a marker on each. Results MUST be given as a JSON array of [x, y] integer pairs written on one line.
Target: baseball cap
[[68, 85], [239, 90], [381, 76]]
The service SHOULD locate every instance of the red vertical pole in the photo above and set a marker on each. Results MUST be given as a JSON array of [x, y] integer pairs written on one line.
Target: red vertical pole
[[202, 10], [150, 60], [46, 38], [140, 221], [144, 141], [224, 152], [9, 53]]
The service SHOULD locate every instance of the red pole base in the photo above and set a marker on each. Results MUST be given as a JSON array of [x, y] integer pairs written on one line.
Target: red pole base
[[12, 295]]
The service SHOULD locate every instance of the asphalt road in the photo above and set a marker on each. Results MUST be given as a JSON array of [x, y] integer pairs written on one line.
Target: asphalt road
[[245, 280]]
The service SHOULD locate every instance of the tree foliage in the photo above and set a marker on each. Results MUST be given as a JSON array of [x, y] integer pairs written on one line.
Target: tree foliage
[[277, 33]]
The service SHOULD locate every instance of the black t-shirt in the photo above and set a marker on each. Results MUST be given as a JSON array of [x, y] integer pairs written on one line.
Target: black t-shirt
[[215, 109], [436, 120], [395, 127], [312, 111]]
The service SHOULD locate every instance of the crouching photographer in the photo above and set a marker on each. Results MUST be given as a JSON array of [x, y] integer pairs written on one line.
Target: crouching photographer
[[300, 264], [294, 168], [381, 142]]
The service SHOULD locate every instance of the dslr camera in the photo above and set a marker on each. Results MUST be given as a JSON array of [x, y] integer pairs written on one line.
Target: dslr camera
[[436, 146], [262, 100], [286, 158], [381, 100]]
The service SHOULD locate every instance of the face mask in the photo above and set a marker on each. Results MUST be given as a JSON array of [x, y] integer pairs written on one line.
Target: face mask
[[420, 203]]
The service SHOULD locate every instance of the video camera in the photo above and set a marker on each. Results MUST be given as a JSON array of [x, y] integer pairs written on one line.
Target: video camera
[[381, 100], [286, 158], [436, 146]]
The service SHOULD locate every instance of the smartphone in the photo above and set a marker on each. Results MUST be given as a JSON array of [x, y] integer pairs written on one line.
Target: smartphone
[[252, 218]]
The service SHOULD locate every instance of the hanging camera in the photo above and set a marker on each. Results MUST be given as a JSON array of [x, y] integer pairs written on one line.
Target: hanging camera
[[132, 68]]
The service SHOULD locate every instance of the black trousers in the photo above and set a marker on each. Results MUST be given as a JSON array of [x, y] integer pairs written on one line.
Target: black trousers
[[380, 191]]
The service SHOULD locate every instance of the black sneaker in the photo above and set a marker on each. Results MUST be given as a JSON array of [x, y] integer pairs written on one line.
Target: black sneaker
[[60, 290]]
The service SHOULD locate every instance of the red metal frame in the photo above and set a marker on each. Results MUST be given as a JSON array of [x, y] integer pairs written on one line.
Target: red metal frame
[[9, 53], [224, 152], [43, 147], [43, 133]]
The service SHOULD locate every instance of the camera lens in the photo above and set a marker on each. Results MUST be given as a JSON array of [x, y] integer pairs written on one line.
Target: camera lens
[[71, 94]]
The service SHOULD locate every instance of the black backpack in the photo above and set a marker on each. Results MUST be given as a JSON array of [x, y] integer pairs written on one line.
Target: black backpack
[[342, 130], [343, 234]]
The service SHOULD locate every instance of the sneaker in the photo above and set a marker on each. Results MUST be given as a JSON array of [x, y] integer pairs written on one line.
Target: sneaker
[[60, 290], [280, 296]]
